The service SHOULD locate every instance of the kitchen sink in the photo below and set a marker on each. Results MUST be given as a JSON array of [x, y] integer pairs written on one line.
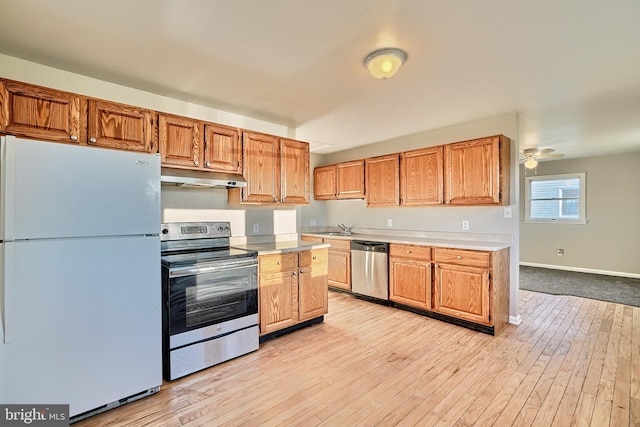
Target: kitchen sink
[[334, 233]]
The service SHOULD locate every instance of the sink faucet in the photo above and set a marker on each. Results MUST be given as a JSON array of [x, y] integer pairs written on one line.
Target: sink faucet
[[345, 229]]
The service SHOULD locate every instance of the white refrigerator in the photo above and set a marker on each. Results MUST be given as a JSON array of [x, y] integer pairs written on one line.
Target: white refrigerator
[[80, 287]]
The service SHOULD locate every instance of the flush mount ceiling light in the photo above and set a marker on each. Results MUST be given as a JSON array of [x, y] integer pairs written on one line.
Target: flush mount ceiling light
[[384, 63]]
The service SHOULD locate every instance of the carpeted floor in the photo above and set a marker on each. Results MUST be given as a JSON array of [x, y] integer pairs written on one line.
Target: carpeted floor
[[620, 290]]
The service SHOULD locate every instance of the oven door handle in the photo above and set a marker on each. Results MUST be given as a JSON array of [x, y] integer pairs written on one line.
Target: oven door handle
[[223, 266]]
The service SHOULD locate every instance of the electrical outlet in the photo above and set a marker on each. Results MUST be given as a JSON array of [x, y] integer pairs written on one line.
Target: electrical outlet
[[465, 225], [507, 212], [312, 222], [560, 252], [256, 228], [389, 223]]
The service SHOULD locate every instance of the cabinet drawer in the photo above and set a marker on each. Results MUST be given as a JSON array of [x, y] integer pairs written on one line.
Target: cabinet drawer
[[462, 257], [313, 257], [410, 251], [339, 245], [277, 262]]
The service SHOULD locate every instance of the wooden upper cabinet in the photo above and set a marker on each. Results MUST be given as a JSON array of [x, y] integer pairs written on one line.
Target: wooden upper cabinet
[[421, 177], [39, 113], [350, 180], [382, 181], [477, 172], [294, 161], [222, 150], [324, 182], [180, 141], [261, 169], [112, 125]]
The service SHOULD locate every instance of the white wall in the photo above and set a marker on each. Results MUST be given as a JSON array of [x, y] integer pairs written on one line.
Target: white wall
[[178, 204], [609, 243], [482, 219]]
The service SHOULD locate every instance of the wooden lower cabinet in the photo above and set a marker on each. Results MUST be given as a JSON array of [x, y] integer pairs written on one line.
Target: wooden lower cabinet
[[472, 286], [339, 263], [292, 288], [410, 275]]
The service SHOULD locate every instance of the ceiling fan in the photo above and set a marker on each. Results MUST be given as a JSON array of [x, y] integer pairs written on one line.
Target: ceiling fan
[[530, 156]]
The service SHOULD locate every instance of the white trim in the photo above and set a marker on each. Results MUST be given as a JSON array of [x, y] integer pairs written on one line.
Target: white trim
[[515, 320], [582, 270]]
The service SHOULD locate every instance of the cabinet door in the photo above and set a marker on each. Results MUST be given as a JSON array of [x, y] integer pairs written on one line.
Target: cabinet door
[[350, 176], [180, 141], [124, 127], [313, 288], [261, 168], [421, 177], [324, 183], [294, 161], [462, 292], [39, 113], [278, 300], [410, 282], [339, 272], [382, 181], [222, 148], [474, 172]]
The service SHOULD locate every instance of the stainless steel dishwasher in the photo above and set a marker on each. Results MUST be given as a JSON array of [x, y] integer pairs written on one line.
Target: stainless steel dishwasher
[[370, 269]]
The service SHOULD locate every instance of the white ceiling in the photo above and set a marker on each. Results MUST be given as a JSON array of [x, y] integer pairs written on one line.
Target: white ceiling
[[570, 68]]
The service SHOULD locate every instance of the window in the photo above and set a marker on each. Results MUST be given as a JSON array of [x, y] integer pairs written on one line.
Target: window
[[556, 198]]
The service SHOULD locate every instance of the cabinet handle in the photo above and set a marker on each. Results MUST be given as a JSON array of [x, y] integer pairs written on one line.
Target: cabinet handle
[[208, 164], [314, 257], [294, 273], [195, 162], [74, 137], [92, 140], [301, 271], [459, 257], [279, 263], [408, 252]]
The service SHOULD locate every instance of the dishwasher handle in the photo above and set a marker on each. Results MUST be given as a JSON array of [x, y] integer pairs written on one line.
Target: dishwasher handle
[[361, 245]]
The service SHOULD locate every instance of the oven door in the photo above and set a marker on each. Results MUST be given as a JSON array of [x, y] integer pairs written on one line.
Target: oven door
[[200, 296]]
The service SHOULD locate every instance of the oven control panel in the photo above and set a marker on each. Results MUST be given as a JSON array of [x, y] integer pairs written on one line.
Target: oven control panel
[[191, 230]]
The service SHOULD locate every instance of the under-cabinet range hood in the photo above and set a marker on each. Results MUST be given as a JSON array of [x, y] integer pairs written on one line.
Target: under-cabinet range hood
[[201, 179]]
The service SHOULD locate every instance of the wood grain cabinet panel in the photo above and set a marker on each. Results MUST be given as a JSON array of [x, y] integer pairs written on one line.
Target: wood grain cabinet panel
[[350, 180], [180, 141], [462, 292], [422, 177], [222, 149], [410, 275], [40, 113], [112, 125], [292, 288], [325, 182], [261, 170], [477, 172], [339, 263], [278, 300], [294, 167], [312, 284], [382, 179]]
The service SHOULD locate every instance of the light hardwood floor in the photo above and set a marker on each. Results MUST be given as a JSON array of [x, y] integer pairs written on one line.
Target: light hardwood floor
[[572, 361]]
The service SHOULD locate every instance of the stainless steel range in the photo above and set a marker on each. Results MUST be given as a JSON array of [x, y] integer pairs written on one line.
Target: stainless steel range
[[210, 297]]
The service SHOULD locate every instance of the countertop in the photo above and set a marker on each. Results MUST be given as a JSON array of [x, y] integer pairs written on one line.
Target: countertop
[[281, 247], [478, 245]]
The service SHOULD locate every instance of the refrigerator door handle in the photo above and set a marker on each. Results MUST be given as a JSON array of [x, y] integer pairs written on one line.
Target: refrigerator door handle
[[5, 293]]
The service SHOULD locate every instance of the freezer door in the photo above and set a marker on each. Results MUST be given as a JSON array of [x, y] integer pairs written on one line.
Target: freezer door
[[84, 318], [54, 190]]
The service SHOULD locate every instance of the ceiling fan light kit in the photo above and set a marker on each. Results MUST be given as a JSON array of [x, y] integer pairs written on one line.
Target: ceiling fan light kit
[[530, 156], [385, 63]]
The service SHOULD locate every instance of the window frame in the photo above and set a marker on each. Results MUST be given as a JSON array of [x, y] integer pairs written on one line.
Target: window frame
[[582, 209]]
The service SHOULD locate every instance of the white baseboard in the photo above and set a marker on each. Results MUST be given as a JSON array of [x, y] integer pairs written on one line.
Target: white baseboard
[[515, 320], [582, 270]]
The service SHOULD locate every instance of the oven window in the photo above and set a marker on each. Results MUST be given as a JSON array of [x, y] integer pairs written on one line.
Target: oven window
[[206, 299]]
